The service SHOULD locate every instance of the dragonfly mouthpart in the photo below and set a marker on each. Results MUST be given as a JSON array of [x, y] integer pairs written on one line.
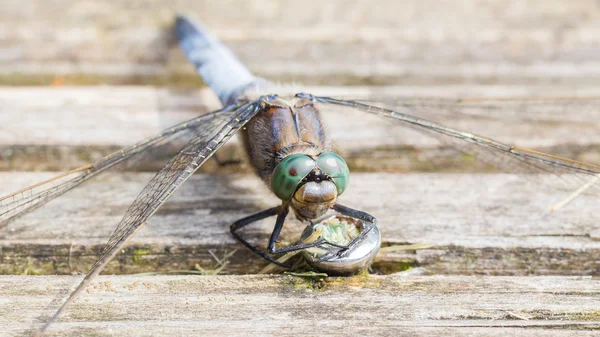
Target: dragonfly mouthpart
[[314, 198]]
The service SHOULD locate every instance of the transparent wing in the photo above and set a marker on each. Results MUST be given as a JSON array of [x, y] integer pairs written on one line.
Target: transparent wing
[[564, 126], [163, 185], [504, 156], [34, 196], [545, 109]]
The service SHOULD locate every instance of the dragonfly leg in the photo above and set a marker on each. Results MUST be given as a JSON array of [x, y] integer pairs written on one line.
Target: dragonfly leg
[[368, 223], [241, 223], [277, 231]]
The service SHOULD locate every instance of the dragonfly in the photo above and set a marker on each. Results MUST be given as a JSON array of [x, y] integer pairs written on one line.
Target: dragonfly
[[288, 149]]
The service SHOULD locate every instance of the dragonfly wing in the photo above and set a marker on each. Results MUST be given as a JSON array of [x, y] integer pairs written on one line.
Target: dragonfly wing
[[496, 153], [34, 196], [581, 109], [162, 186]]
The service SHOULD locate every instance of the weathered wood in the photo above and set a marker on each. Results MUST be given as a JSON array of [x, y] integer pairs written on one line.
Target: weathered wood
[[464, 224], [291, 306], [475, 224], [63, 128], [412, 41]]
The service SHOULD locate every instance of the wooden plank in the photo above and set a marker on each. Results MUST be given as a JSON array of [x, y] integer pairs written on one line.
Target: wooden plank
[[67, 127], [289, 306], [473, 224], [397, 42]]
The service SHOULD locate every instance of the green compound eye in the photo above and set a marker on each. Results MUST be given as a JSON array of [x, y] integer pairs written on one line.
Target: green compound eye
[[336, 168], [289, 173]]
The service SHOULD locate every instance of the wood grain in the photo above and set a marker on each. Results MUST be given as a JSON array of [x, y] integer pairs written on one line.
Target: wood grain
[[464, 223], [288, 306], [474, 224], [395, 42], [63, 128]]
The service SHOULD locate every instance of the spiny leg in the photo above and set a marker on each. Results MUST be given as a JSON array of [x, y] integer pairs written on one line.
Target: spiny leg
[[241, 223], [368, 223], [282, 212], [275, 235]]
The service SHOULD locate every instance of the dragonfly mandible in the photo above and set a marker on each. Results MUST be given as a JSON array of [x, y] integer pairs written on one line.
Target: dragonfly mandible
[[287, 146]]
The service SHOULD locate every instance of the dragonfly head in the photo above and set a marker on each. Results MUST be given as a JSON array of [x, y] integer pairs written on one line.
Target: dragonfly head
[[310, 183]]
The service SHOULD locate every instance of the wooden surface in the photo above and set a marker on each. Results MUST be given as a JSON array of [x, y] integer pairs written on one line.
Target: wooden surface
[[466, 251], [337, 42], [475, 224], [291, 306], [63, 128], [458, 223], [472, 223]]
